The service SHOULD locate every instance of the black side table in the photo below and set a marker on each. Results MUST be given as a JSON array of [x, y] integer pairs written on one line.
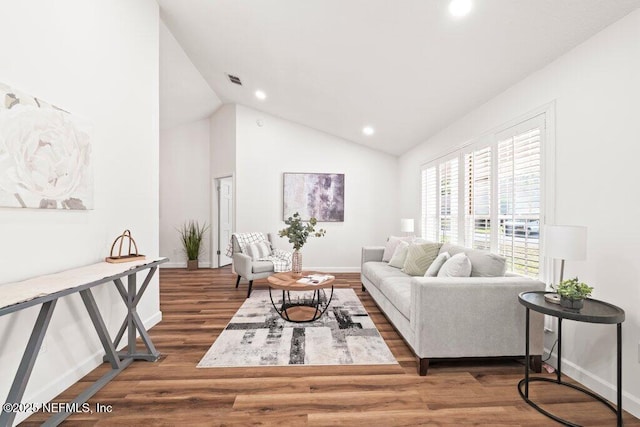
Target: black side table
[[594, 311]]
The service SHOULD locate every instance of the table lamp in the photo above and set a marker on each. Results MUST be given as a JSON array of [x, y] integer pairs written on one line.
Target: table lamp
[[565, 242], [406, 225]]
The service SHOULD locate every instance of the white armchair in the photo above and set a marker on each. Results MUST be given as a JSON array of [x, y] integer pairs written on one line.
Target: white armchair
[[247, 268]]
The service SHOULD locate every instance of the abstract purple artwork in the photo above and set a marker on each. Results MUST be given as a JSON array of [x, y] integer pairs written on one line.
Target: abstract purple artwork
[[317, 195]]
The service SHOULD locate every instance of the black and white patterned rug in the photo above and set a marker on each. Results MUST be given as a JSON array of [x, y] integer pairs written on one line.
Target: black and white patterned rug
[[258, 336]]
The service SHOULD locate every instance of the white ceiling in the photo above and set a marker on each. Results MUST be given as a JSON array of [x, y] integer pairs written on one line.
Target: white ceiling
[[404, 67], [184, 94]]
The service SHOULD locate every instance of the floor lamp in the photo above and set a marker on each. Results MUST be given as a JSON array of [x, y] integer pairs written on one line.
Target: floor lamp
[[565, 242]]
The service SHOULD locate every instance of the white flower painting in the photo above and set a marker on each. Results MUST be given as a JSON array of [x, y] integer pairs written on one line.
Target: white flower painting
[[45, 155]]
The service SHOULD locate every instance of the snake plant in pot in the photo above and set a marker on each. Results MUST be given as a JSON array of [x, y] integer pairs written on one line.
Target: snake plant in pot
[[191, 235]]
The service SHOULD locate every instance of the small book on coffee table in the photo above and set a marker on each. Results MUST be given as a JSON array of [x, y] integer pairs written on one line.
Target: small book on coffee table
[[314, 279]]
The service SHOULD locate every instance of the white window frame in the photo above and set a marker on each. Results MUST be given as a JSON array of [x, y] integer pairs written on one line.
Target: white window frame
[[546, 113], [436, 164]]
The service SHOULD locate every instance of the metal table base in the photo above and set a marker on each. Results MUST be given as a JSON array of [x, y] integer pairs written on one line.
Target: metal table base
[[524, 383], [319, 302]]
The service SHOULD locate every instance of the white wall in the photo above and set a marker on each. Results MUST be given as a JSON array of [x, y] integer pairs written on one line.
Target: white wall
[[264, 153], [185, 187], [223, 162], [98, 60], [596, 87]]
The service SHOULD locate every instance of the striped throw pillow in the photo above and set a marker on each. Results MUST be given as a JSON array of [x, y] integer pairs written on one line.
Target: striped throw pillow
[[258, 250]]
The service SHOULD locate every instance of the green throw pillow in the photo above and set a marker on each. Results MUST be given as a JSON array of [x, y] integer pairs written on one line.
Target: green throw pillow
[[420, 257]]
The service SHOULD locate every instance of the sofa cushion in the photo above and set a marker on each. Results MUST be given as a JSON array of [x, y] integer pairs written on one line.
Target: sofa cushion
[[391, 245], [483, 263], [398, 291], [377, 271], [261, 266], [456, 266], [400, 255], [420, 257], [437, 263]]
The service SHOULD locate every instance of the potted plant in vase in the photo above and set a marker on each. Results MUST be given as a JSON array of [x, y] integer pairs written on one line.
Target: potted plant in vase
[[298, 235], [191, 235], [572, 293]]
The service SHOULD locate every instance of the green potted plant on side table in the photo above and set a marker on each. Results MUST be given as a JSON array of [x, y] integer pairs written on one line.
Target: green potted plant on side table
[[191, 235], [572, 293], [298, 235]]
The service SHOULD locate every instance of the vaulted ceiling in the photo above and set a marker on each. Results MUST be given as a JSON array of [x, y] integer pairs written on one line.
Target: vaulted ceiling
[[407, 68]]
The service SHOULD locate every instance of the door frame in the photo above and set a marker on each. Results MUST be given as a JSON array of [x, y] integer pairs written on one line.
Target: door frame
[[216, 250]]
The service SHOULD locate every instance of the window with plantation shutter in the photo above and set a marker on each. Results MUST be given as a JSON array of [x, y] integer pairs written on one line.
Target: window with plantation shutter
[[489, 195], [477, 198], [519, 191], [448, 212], [429, 208]]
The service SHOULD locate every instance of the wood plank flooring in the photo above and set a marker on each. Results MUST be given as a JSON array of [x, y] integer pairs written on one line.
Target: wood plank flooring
[[196, 307]]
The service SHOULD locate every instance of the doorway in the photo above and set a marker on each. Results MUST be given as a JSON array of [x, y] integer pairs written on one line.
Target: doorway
[[225, 218]]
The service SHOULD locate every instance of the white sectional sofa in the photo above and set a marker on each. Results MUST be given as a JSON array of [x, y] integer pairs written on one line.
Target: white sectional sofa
[[455, 317]]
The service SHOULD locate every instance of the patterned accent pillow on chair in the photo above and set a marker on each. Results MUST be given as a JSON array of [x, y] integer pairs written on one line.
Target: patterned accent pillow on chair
[[258, 250]]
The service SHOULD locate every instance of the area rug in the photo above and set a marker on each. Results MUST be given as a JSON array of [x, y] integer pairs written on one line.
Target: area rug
[[258, 336]]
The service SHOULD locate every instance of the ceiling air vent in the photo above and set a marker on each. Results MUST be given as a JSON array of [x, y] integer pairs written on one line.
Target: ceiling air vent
[[234, 79]]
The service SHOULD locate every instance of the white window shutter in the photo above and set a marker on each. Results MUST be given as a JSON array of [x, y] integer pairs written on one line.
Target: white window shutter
[[448, 197], [519, 177], [477, 198], [429, 208]]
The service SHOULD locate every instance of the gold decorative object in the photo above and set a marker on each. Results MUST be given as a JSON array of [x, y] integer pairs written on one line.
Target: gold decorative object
[[131, 256]]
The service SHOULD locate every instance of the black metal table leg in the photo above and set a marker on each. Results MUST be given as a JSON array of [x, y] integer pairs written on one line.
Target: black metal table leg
[[559, 363], [526, 350], [619, 374]]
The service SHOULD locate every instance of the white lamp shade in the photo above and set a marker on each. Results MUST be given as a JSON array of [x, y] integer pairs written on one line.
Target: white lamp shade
[[568, 242], [406, 225]]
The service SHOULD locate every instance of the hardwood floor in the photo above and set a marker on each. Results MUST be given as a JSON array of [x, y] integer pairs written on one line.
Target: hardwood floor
[[196, 307]]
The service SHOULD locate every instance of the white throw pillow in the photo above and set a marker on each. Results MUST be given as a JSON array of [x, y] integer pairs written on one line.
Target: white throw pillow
[[391, 245], [400, 255], [456, 266], [258, 250], [437, 264], [483, 263]]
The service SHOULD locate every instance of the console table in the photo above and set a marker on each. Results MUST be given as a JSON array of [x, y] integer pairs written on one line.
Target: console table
[[46, 290], [594, 311]]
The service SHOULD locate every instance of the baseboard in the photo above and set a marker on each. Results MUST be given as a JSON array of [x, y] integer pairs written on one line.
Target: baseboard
[[73, 375], [630, 403], [333, 269], [202, 264]]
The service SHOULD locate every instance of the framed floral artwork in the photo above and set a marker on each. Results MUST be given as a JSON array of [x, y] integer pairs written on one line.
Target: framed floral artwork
[[45, 155], [317, 195]]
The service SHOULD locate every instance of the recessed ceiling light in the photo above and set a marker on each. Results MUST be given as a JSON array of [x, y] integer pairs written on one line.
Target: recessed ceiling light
[[261, 95], [460, 8], [368, 130]]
